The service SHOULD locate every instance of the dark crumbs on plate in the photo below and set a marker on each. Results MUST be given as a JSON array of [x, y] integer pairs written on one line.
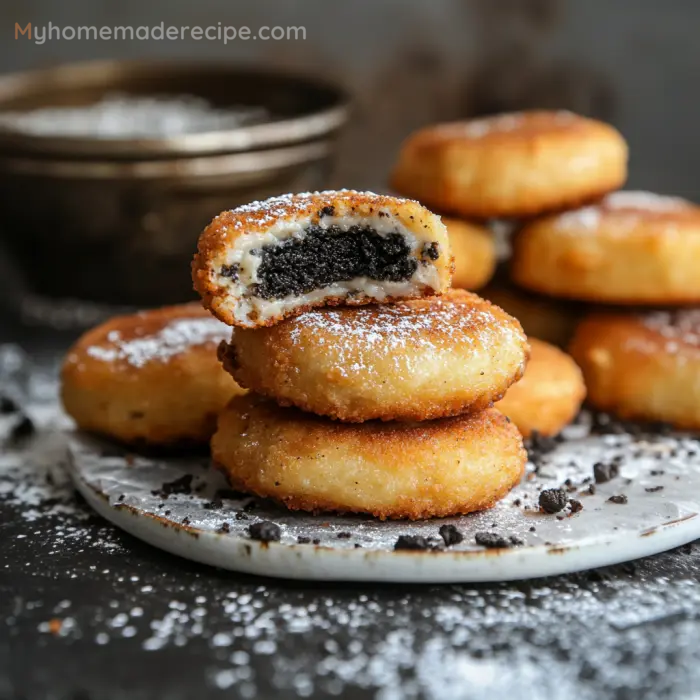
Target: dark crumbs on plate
[[653, 489], [224, 528], [412, 542], [183, 485], [492, 540], [539, 446], [603, 473], [553, 500], [451, 535], [215, 504], [265, 531], [8, 405], [619, 499], [22, 429], [575, 506]]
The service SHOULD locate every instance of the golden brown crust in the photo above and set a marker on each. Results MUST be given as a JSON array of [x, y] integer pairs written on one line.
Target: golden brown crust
[[219, 238], [411, 361], [474, 253], [631, 248], [548, 396], [390, 470], [511, 165], [549, 319], [151, 377], [643, 367]]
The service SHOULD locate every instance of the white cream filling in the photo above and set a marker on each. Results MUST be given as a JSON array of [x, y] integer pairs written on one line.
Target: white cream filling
[[242, 306]]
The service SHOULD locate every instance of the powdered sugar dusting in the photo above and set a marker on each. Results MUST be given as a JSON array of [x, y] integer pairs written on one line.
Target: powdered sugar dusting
[[678, 327], [644, 201], [363, 335], [502, 123], [269, 211], [633, 205], [587, 218], [177, 337]]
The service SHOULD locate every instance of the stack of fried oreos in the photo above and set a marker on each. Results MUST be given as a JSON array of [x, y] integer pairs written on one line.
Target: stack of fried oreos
[[580, 246], [372, 382]]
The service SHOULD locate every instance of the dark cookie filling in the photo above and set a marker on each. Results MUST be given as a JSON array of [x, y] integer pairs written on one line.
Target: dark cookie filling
[[329, 255]]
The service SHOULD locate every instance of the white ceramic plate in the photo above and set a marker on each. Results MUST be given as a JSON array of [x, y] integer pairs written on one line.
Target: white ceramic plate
[[124, 489]]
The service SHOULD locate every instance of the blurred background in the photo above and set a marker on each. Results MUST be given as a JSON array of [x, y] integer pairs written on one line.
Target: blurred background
[[404, 63]]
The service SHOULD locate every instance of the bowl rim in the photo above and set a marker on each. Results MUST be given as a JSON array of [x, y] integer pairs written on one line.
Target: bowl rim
[[305, 127], [196, 166]]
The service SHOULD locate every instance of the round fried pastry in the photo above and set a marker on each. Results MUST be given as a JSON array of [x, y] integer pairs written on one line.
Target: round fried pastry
[[548, 396], [390, 470], [474, 252], [631, 248], [511, 165], [151, 377], [643, 366], [264, 261], [410, 361]]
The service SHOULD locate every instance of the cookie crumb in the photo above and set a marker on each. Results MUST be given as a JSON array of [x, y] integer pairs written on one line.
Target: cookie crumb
[[412, 542], [182, 485], [265, 531], [492, 540], [450, 535], [575, 506], [552, 500], [605, 472]]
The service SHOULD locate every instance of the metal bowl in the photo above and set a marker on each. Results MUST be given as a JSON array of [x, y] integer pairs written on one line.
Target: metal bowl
[[115, 221]]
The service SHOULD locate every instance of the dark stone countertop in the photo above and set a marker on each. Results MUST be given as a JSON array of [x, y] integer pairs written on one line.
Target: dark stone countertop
[[89, 612]]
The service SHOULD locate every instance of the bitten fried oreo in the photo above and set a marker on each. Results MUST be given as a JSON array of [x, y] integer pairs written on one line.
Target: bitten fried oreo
[[631, 248], [264, 261], [151, 378], [410, 361], [511, 165], [474, 251], [643, 366], [390, 470], [548, 396]]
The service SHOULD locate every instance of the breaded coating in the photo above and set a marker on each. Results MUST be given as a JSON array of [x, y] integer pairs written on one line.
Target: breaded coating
[[511, 165], [389, 470], [410, 361], [151, 377]]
